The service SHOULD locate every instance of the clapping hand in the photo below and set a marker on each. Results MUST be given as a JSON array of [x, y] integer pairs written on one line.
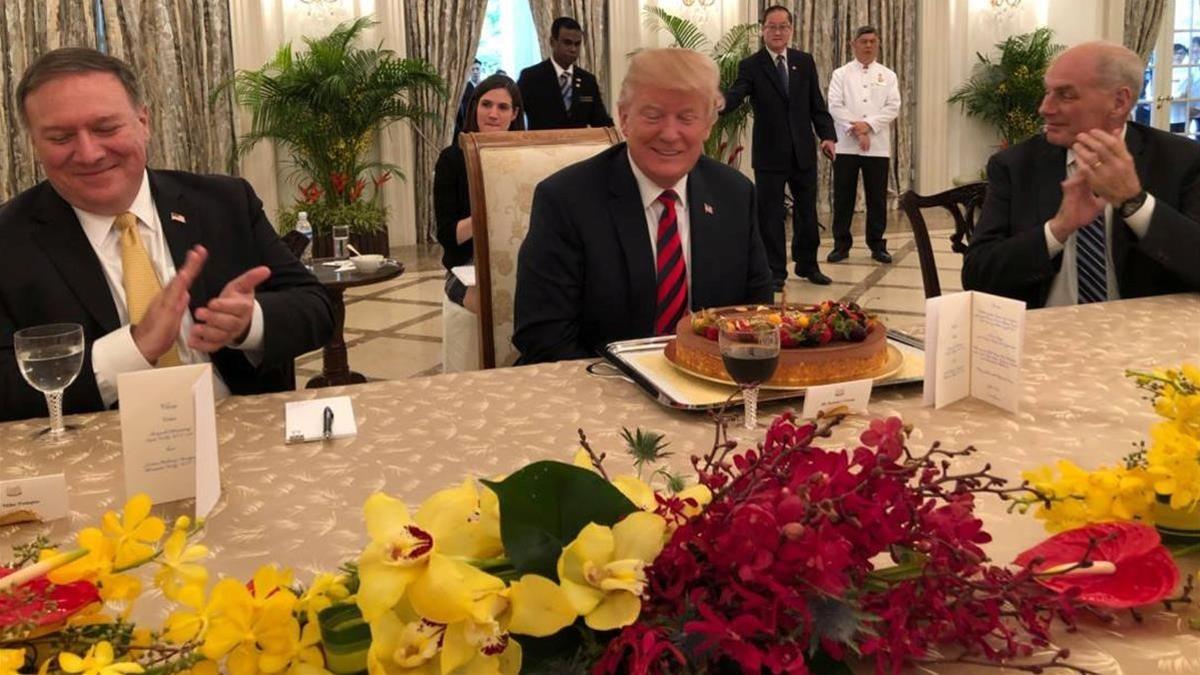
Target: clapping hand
[[225, 320], [1103, 160], [155, 334], [1079, 207]]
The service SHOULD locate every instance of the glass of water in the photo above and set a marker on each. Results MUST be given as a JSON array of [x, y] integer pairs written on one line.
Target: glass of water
[[50, 357], [341, 237]]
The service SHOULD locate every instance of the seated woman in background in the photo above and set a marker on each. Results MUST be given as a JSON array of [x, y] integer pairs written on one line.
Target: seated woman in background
[[496, 106]]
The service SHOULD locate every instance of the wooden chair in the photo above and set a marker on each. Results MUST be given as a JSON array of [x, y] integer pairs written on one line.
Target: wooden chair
[[502, 170], [963, 203]]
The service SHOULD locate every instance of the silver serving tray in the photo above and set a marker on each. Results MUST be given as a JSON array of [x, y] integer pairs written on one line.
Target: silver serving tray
[[629, 357]]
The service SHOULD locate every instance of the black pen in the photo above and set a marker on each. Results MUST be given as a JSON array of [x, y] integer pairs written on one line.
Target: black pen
[[328, 428]]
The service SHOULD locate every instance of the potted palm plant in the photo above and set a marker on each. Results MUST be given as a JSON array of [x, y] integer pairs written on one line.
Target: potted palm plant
[[1006, 93], [326, 106], [724, 141]]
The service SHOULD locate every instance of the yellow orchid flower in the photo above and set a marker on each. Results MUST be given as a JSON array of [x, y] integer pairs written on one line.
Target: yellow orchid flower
[[185, 625], [254, 632], [325, 590], [178, 566], [464, 520], [404, 644], [11, 661], [97, 661], [538, 607], [97, 562], [603, 570], [135, 533], [700, 494], [398, 554], [468, 649], [637, 491], [204, 667], [119, 588]]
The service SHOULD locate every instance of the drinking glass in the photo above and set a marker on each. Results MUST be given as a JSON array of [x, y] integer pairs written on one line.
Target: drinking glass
[[50, 357], [750, 356], [341, 237]]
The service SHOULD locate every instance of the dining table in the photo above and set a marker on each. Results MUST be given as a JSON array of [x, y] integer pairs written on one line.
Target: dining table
[[300, 505]]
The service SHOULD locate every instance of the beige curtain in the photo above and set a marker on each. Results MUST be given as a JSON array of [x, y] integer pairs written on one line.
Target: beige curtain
[[1142, 20], [593, 16], [444, 33], [29, 28], [181, 50], [825, 29]]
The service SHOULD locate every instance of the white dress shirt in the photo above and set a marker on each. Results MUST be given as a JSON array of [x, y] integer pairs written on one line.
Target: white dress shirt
[[558, 73], [116, 352], [1064, 290], [649, 191], [870, 94]]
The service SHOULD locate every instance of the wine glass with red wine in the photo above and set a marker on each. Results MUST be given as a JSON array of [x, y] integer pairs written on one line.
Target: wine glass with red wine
[[751, 354]]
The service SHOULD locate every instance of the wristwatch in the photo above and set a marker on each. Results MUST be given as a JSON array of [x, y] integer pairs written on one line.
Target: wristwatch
[[1130, 206]]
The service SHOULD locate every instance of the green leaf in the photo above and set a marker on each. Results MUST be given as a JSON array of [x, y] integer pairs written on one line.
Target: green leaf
[[545, 505], [346, 637]]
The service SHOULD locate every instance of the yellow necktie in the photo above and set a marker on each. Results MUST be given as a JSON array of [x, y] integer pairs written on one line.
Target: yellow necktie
[[138, 277]]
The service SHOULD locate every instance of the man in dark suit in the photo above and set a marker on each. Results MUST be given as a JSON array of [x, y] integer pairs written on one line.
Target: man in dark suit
[[624, 244], [558, 94], [785, 93], [159, 267], [1096, 208]]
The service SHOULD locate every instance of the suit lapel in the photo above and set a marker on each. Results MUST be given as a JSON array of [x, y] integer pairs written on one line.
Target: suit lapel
[[1051, 168], [767, 61], [628, 216], [181, 235], [704, 238], [61, 237]]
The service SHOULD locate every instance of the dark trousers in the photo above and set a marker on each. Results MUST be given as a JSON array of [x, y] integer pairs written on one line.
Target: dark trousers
[[845, 188], [805, 235]]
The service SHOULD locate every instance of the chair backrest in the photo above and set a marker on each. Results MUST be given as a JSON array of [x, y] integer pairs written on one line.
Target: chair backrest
[[963, 203], [502, 170]]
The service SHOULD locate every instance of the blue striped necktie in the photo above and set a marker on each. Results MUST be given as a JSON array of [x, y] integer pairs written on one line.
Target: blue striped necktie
[[781, 66], [1091, 261], [564, 83]]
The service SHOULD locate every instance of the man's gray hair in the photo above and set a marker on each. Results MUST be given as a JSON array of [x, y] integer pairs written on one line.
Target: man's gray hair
[[1118, 66]]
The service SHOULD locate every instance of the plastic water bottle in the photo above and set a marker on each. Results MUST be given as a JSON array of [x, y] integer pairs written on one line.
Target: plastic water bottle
[[304, 228]]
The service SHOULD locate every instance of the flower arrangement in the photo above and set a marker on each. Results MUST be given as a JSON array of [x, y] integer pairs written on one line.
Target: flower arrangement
[[1151, 483], [783, 558], [1006, 93]]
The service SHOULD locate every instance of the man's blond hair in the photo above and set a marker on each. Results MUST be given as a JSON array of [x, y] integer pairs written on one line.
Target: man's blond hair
[[673, 69]]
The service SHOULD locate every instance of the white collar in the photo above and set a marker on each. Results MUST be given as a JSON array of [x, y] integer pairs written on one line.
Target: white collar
[[650, 190], [559, 70], [862, 67], [97, 226], [1071, 153], [775, 54]]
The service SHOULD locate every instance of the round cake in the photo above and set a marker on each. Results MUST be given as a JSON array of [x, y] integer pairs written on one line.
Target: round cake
[[819, 344]]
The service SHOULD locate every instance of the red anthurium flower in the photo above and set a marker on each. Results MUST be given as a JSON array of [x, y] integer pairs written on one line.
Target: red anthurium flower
[[29, 600], [1144, 573]]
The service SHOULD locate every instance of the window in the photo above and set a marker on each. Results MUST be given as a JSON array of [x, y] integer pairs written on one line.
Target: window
[[1170, 97], [508, 41]]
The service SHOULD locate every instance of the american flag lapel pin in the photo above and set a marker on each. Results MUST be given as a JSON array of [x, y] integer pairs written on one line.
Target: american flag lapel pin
[[178, 217], [708, 209]]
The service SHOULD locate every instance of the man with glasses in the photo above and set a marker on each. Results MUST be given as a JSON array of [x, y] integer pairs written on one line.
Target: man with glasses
[[785, 92]]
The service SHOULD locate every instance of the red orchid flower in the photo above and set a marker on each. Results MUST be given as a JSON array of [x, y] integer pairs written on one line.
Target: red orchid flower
[[29, 600], [1144, 573]]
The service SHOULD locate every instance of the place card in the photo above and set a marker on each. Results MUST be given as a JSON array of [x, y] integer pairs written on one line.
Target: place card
[[853, 396], [169, 435], [33, 499], [973, 347], [307, 420]]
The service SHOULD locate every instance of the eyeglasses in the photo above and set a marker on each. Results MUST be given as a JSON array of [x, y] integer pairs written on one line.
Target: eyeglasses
[[777, 27]]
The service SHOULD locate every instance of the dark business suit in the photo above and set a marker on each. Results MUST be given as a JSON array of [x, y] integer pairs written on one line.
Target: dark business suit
[[52, 275], [1008, 253], [586, 270], [784, 149], [543, 101]]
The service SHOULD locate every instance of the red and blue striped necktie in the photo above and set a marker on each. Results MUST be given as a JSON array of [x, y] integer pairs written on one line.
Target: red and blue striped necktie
[[672, 270]]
